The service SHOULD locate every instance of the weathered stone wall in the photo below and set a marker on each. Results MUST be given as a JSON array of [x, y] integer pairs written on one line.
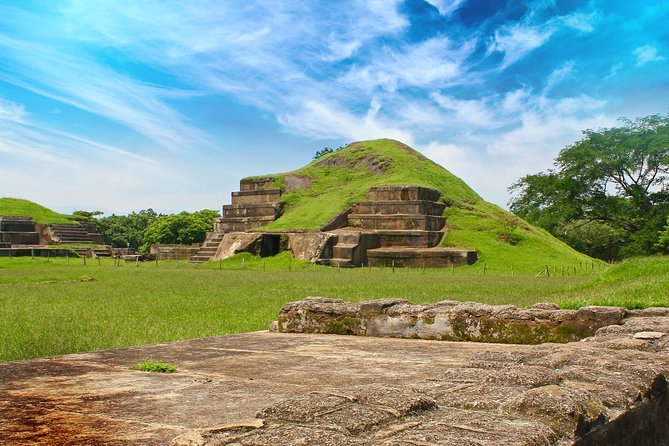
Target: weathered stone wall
[[447, 320], [173, 252]]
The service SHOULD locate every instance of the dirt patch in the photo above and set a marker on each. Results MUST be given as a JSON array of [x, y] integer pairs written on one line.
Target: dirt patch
[[373, 164], [293, 182]]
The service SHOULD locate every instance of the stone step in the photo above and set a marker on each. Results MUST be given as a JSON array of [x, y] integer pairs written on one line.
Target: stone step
[[247, 184], [256, 196], [414, 239], [70, 233], [421, 257], [340, 263], [243, 225], [388, 207], [17, 226], [250, 210], [397, 221], [343, 251], [209, 251], [20, 238], [199, 259], [348, 238], [403, 193]]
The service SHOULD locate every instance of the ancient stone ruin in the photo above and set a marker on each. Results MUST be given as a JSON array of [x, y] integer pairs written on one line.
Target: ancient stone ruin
[[398, 226], [22, 236]]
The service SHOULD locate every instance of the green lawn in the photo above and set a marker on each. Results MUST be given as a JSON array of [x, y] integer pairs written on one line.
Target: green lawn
[[54, 308]]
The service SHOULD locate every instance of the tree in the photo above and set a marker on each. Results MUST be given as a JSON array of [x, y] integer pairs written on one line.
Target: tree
[[182, 229], [663, 242], [322, 152], [617, 177], [86, 216], [121, 231]]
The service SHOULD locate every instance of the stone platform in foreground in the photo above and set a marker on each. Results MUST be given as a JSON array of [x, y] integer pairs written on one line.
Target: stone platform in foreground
[[297, 389]]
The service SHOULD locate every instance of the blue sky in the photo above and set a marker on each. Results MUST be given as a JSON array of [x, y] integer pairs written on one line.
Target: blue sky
[[124, 105]]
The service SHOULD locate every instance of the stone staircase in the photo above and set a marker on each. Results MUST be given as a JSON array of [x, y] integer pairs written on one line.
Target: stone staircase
[[399, 225], [73, 234], [208, 248], [256, 204]]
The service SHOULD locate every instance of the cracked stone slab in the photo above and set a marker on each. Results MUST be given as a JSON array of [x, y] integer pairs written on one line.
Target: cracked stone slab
[[262, 389]]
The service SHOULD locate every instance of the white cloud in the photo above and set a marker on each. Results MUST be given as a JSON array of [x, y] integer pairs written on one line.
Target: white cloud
[[519, 39], [11, 111], [646, 54], [434, 63], [581, 21], [446, 7], [516, 41], [96, 89], [558, 75]]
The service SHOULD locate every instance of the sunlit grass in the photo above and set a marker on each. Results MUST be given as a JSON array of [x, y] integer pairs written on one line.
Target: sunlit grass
[[50, 308]]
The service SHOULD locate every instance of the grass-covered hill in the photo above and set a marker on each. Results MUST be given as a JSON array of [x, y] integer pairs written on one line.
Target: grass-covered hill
[[332, 183], [17, 207]]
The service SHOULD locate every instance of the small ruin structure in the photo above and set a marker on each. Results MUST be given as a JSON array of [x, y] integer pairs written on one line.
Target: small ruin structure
[[23, 236], [399, 225]]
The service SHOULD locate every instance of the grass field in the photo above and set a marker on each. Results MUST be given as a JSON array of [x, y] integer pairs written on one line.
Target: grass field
[[61, 306]]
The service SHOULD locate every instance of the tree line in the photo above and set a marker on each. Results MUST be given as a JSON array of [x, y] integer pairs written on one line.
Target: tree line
[[608, 194], [139, 230]]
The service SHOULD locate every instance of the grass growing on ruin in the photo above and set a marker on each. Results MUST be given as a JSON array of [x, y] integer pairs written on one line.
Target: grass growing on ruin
[[52, 308], [24, 208], [155, 367]]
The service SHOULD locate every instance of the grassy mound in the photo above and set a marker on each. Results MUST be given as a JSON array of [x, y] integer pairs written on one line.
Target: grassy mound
[[332, 183], [17, 207]]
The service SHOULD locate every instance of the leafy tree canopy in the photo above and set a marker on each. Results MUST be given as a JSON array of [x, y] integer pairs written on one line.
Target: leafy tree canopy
[[183, 228], [122, 231], [609, 192]]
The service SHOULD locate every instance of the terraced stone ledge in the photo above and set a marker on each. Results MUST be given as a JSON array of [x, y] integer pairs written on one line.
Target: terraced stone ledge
[[450, 320]]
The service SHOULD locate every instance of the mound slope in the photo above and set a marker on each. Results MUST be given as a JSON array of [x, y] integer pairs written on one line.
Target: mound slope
[[315, 194], [17, 207]]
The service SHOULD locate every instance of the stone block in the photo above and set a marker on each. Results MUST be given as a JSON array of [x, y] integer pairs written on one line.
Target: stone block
[[403, 193], [251, 210], [401, 222], [248, 184], [417, 239], [421, 257], [400, 207], [256, 196], [465, 321], [20, 238]]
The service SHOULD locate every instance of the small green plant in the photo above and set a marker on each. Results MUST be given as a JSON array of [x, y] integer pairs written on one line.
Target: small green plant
[[157, 367]]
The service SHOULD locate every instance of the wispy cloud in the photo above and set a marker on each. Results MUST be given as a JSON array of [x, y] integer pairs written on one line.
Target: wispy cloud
[[446, 7], [96, 89], [647, 54], [559, 74]]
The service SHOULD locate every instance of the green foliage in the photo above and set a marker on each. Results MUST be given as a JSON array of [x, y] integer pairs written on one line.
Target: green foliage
[[157, 367], [122, 231], [322, 152], [663, 242], [23, 208], [86, 216], [617, 178], [136, 304], [183, 228]]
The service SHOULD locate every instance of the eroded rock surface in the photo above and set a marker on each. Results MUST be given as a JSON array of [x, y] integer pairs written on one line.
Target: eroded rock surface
[[447, 320], [261, 389]]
